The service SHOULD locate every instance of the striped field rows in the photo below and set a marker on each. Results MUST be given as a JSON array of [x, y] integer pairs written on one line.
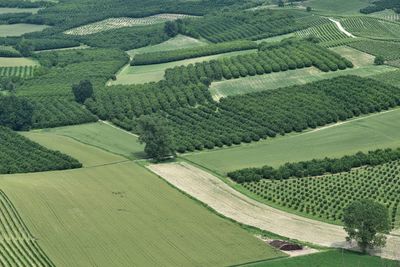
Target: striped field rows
[[17, 245], [19, 71]]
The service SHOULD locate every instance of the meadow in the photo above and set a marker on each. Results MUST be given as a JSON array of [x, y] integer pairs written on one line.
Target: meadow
[[375, 131], [122, 215], [343, 7], [17, 62], [5, 10], [331, 258], [101, 135], [20, 29]]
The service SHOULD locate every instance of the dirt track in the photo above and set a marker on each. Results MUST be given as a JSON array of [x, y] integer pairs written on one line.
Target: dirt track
[[229, 202]]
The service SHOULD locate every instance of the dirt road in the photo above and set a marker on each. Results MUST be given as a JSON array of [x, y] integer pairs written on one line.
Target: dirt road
[[225, 200], [339, 25]]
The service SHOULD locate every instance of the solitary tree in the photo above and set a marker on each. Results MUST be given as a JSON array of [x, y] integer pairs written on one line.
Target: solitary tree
[[309, 9], [379, 60], [171, 28], [281, 3], [365, 221], [82, 91], [156, 134]]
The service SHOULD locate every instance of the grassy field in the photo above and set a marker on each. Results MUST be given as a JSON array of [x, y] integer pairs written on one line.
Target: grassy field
[[155, 72], [19, 29], [103, 136], [392, 77], [363, 66], [16, 62], [331, 258], [342, 7], [88, 155], [178, 42], [362, 134], [5, 10], [122, 215]]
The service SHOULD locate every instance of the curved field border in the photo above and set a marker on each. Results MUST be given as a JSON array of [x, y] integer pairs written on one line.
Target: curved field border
[[225, 200]]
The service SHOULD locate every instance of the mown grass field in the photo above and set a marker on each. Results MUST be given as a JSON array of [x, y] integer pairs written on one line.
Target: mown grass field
[[122, 215], [380, 130], [19, 29], [101, 135], [155, 72], [178, 42], [363, 66], [331, 258], [89, 156], [5, 10]]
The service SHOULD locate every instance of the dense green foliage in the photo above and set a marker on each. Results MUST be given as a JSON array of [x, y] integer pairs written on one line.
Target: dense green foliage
[[15, 112], [271, 58], [229, 26], [24, 3], [82, 91], [366, 221], [46, 44], [18, 155], [62, 69], [380, 5], [125, 38], [180, 54], [123, 103], [388, 50], [316, 167], [58, 111], [68, 14], [326, 197], [156, 135]]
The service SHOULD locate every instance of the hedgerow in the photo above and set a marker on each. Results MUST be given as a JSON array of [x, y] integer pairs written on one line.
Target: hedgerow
[[180, 54], [326, 197], [19, 155], [271, 58], [316, 167]]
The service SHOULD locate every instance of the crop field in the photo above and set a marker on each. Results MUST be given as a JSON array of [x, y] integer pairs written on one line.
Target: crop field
[[363, 67], [117, 23], [17, 62], [327, 196], [375, 131], [155, 72], [392, 77], [21, 71], [331, 258], [372, 27], [5, 10], [388, 50], [178, 42], [19, 29], [104, 136], [122, 215], [18, 246], [328, 33]]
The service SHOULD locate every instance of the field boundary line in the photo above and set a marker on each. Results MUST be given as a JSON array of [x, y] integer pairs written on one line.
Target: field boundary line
[[118, 128]]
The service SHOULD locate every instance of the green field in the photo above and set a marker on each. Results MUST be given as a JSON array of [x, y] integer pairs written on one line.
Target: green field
[[19, 29], [370, 27], [331, 258], [103, 136], [5, 10], [392, 77], [154, 73], [16, 62], [120, 214], [363, 66], [178, 42], [362, 134], [342, 7]]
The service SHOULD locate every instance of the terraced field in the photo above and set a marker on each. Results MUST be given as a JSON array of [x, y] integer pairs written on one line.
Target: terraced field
[[372, 28], [117, 23], [18, 247]]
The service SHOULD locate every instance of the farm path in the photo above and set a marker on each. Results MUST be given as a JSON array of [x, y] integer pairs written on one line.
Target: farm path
[[118, 128], [339, 25], [225, 200]]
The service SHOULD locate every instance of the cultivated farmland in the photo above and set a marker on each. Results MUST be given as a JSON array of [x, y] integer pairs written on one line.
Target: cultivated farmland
[[19, 29], [21, 71], [372, 27], [18, 246], [388, 50], [116, 23]]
